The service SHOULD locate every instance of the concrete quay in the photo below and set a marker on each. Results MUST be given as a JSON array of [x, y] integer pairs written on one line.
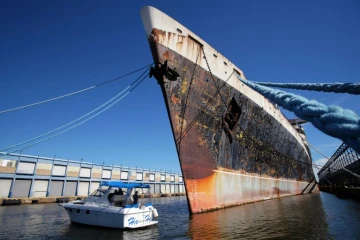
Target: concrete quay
[[61, 199]]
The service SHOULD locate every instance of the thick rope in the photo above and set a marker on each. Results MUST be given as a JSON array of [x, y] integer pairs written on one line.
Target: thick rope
[[332, 120], [352, 88]]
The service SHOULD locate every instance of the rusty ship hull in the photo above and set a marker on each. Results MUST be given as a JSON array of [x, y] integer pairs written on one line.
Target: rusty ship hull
[[234, 146]]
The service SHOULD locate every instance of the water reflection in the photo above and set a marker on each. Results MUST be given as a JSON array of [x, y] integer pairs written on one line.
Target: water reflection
[[299, 217], [342, 215], [312, 216], [76, 231]]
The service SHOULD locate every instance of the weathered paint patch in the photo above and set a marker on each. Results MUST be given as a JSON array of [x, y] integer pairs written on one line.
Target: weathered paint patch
[[224, 189]]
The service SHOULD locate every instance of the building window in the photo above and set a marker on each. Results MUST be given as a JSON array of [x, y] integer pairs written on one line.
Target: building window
[[152, 177], [124, 175], [25, 168], [162, 178], [139, 176], [106, 174], [58, 170], [85, 172]]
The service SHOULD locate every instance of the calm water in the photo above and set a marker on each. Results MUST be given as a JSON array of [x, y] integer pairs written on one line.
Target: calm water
[[312, 216]]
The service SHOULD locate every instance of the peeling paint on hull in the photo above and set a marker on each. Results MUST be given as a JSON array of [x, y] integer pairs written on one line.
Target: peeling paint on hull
[[234, 146], [224, 190]]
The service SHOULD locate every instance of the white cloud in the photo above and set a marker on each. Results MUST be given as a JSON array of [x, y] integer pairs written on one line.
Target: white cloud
[[321, 162]]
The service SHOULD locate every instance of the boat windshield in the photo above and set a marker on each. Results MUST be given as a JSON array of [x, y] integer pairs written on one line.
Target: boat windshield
[[98, 193]]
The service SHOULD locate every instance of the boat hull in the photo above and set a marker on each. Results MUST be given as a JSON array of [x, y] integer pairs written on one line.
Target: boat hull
[[111, 217], [234, 146]]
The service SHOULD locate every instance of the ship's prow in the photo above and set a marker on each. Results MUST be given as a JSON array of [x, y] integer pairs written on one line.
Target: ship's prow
[[234, 145], [145, 14], [152, 17]]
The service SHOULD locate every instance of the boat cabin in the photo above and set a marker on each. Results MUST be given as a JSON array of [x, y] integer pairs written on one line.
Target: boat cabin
[[119, 194]]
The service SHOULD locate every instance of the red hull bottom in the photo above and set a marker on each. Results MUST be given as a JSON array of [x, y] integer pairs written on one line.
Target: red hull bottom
[[226, 189]]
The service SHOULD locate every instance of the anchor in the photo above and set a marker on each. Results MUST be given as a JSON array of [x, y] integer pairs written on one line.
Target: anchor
[[161, 70]]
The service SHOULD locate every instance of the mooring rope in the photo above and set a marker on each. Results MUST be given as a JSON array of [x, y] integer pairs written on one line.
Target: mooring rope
[[351, 88], [332, 120], [103, 108], [73, 93]]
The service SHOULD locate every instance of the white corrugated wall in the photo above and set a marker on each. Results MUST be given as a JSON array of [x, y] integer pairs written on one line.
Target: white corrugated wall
[[5, 185], [56, 188], [70, 188], [21, 188], [83, 188], [94, 186], [40, 188]]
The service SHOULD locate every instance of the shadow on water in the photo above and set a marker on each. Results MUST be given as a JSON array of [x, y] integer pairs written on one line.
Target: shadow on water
[[311, 216], [286, 218]]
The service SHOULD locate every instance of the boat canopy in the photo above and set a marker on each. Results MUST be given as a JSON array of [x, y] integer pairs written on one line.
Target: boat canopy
[[124, 185]]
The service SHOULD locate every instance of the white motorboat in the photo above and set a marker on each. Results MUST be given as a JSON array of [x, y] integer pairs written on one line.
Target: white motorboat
[[114, 205]]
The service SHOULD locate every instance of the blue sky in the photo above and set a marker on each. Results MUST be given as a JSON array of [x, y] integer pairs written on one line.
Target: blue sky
[[50, 48]]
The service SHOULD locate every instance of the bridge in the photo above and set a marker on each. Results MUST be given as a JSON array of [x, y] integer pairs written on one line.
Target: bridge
[[341, 173]]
